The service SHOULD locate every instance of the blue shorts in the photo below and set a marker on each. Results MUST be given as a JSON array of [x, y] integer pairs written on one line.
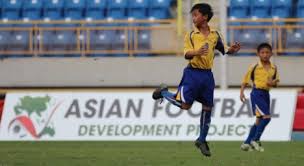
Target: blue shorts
[[196, 85], [260, 102]]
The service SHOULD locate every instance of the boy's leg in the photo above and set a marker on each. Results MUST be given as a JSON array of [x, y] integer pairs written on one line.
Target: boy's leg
[[246, 144], [260, 128], [201, 142], [255, 142], [204, 124], [251, 134], [162, 92], [206, 97], [262, 109], [252, 131]]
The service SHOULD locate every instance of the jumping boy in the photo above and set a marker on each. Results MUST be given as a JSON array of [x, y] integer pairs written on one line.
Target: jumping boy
[[197, 83], [263, 75]]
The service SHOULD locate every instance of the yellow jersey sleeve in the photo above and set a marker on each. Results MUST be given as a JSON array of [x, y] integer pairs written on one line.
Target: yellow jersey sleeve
[[247, 77], [187, 44]]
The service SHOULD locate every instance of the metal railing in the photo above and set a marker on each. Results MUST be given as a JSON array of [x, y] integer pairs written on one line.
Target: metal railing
[[278, 32], [31, 38], [40, 38]]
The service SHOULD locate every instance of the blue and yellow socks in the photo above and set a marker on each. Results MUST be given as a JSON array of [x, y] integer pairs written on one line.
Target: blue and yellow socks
[[170, 97]]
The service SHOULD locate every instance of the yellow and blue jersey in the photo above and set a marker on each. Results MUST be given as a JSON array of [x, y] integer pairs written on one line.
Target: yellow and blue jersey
[[259, 76], [195, 40]]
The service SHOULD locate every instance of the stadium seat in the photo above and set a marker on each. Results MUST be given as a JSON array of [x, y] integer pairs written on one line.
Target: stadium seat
[[239, 3], [54, 41], [159, 9], [32, 10], [20, 41], [143, 41], [138, 9], [281, 9], [47, 39], [260, 8], [249, 39], [160, 3], [294, 39], [5, 37], [11, 9], [236, 14], [239, 8], [119, 42], [300, 9], [74, 9], [95, 9], [62, 41], [101, 40], [117, 9], [53, 9]]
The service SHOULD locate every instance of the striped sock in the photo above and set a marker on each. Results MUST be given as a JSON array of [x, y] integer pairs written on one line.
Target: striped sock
[[170, 97]]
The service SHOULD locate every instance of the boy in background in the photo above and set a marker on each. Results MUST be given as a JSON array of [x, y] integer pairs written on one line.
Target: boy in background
[[264, 75]]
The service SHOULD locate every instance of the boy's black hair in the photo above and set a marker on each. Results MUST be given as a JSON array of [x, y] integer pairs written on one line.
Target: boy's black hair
[[204, 9], [264, 45]]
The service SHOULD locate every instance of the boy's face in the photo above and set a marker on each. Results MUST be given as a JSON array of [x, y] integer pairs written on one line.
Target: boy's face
[[265, 54], [197, 18]]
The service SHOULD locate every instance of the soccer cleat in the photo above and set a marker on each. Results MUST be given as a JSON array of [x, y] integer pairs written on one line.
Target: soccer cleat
[[246, 147], [257, 146], [203, 147], [260, 144], [157, 92]]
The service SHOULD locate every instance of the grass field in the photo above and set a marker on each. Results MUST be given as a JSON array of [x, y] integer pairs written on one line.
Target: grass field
[[146, 153]]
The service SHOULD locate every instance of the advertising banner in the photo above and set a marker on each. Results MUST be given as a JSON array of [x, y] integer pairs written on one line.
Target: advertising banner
[[135, 116]]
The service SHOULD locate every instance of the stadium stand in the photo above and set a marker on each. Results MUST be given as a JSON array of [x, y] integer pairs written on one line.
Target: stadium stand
[[122, 13], [62, 38], [264, 14]]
